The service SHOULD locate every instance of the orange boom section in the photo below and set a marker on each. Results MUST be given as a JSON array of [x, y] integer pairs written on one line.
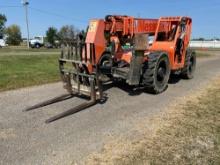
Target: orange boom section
[[130, 25]]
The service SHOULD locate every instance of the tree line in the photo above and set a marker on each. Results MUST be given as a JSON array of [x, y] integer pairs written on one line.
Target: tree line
[[204, 39], [67, 33]]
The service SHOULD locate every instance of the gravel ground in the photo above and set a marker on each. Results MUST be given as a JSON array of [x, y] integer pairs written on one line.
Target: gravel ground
[[26, 139]]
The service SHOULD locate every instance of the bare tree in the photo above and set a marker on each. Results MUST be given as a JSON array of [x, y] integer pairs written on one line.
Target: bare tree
[[68, 34]]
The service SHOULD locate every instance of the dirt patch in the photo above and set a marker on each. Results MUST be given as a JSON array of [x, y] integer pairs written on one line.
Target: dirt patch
[[186, 133], [7, 133]]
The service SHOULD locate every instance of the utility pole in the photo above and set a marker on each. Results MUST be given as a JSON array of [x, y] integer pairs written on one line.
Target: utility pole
[[25, 4]]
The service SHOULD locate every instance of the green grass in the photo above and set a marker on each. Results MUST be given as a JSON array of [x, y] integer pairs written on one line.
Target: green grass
[[201, 54], [21, 67], [18, 71], [8, 51]]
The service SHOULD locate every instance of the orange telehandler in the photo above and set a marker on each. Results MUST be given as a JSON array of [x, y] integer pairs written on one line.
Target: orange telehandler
[[142, 52]]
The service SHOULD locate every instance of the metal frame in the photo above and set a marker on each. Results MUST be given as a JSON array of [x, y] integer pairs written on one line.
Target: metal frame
[[96, 94]]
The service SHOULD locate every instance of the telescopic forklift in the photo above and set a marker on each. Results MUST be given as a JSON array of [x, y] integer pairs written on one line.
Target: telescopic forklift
[[141, 52]]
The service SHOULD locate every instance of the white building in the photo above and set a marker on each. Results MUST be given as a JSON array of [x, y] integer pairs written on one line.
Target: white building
[[205, 44]]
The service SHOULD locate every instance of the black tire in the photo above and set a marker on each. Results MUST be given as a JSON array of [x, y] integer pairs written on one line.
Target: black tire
[[156, 72], [105, 64], [190, 65], [37, 45]]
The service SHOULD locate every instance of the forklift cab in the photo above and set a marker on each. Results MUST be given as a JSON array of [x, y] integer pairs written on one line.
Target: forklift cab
[[171, 37]]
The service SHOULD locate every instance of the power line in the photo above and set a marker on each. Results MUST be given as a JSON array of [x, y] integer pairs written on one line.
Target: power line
[[58, 15], [5, 6], [46, 12]]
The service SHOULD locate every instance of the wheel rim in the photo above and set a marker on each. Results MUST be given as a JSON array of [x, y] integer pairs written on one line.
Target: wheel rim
[[161, 72]]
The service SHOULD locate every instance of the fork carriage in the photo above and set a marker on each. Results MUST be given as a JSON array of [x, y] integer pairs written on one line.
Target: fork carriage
[[73, 65]]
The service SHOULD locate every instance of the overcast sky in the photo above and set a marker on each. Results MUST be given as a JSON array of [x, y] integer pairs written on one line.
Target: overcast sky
[[45, 13]]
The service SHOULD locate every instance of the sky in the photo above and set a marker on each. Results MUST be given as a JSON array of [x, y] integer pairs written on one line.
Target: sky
[[56, 13]]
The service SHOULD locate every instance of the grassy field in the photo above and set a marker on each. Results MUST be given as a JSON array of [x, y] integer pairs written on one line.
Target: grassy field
[[22, 67], [8, 51], [187, 134], [201, 54]]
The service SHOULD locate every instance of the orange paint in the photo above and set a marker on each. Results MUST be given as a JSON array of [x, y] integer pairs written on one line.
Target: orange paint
[[166, 32]]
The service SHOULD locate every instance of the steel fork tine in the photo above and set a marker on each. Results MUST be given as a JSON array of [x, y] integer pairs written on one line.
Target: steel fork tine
[[79, 107], [71, 111], [50, 101]]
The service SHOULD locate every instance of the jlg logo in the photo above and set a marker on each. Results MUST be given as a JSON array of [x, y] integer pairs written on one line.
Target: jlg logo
[[92, 26]]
